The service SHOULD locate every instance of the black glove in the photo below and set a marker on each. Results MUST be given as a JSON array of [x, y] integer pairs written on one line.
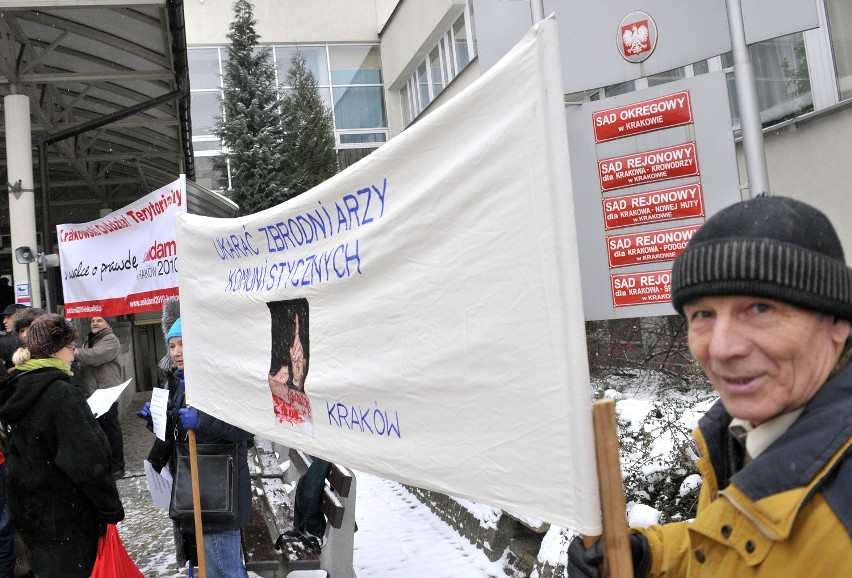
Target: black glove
[[583, 562]]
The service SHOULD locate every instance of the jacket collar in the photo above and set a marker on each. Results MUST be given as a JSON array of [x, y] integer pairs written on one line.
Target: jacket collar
[[792, 461]]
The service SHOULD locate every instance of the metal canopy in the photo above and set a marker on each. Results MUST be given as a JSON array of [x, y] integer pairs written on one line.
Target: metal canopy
[[109, 101]]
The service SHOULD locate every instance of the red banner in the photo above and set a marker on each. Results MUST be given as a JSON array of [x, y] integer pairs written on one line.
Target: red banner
[[648, 246], [648, 167], [641, 288], [134, 303], [673, 204], [641, 117]]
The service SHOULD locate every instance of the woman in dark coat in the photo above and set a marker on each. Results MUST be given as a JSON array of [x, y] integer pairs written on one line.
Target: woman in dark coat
[[60, 488]]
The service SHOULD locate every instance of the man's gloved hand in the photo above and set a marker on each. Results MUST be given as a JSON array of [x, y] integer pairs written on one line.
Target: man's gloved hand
[[145, 413], [188, 417], [584, 562]]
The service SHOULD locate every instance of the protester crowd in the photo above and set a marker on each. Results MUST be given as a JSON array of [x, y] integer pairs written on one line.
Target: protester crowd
[[59, 465], [767, 297]]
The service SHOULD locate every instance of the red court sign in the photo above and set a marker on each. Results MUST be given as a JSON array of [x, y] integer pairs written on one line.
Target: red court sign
[[648, 167], [641, 117], [685, 202], [648, 246], [641, 288]]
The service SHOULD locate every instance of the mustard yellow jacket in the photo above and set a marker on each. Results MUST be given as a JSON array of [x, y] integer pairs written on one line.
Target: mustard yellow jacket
[[787, 514]]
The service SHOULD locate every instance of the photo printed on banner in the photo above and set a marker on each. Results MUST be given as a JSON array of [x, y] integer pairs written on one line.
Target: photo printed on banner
[[288, 368]]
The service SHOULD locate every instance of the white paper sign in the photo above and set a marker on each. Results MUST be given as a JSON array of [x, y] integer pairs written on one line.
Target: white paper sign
[[102, 399], [159, 407], [159, 485]]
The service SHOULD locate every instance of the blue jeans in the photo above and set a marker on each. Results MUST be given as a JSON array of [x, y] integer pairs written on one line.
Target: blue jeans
[[222, 555], [7, 532]]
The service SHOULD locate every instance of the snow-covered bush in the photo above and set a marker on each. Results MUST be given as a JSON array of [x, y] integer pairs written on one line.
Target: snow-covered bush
[[658, 455]]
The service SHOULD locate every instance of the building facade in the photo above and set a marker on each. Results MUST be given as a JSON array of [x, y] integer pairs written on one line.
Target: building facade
[[339, 41], [383, 64], [804, 85]]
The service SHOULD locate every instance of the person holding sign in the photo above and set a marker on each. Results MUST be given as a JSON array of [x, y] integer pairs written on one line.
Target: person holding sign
[[767, 296], [222, 548], [59, 486]]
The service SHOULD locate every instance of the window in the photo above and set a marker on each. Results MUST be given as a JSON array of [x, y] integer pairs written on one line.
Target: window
[[355, 65], [840, 19], [443, 62], [406, 105], [668, 76], [204, 68], [349, 81], [211, 172], [358, 107], [435, 70], [460, 38], [781, 74], [205, 106], [315, 57]]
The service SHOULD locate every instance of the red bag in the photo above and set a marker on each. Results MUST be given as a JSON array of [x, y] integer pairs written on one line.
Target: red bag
[[113, 560]]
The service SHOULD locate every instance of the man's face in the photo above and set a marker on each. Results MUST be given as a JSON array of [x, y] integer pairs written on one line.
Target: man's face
[[98, 324], [764, 357], [7, 323]]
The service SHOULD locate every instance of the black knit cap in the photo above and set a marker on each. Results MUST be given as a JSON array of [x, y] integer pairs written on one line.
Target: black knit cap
[[773, 247], [48, 334]]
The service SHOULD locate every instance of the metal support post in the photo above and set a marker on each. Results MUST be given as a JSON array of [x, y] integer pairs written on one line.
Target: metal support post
[[753, 148]]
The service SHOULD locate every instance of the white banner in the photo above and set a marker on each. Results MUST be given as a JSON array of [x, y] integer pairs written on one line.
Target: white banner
[[417, 316], [125, 262]]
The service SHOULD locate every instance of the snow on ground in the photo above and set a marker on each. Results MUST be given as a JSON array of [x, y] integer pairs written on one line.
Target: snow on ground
[[398, 537]]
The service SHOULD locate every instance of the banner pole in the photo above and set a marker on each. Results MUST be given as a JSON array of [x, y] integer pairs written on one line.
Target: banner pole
[[196, 505], [616, 537]]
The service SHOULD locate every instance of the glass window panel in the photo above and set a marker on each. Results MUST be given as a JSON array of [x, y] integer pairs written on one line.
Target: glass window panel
[[840, 25], [435, 69], [347, 157], [702, 67], [205, 107], [314, 57], [668, 76], [355, 65], [782, 78], [423, 86], [205, 145], [622, 88], [460, 39], [210, 172], [406, 105], [203, 67], [362, 137], [359, 107], [783, 82]]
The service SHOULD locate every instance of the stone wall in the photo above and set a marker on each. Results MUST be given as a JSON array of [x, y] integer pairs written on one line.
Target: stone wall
[[510, 537]]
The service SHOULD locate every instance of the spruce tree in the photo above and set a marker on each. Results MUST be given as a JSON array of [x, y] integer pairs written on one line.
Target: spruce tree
[[251, 128], [310, 156]]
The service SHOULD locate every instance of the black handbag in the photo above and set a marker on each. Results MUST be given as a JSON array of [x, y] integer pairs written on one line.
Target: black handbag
[[217, 481]]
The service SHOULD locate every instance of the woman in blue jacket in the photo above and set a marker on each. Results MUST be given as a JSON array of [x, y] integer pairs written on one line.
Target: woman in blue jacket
[[222, 548]]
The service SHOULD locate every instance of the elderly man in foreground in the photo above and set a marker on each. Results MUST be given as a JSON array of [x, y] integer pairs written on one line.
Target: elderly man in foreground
[[767, 296]]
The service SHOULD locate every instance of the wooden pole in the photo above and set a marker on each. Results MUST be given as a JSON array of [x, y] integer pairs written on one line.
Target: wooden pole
[[196, 505], [616, 536]]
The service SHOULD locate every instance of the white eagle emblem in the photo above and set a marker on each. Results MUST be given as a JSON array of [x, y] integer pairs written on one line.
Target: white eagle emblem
[[635, 39]]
